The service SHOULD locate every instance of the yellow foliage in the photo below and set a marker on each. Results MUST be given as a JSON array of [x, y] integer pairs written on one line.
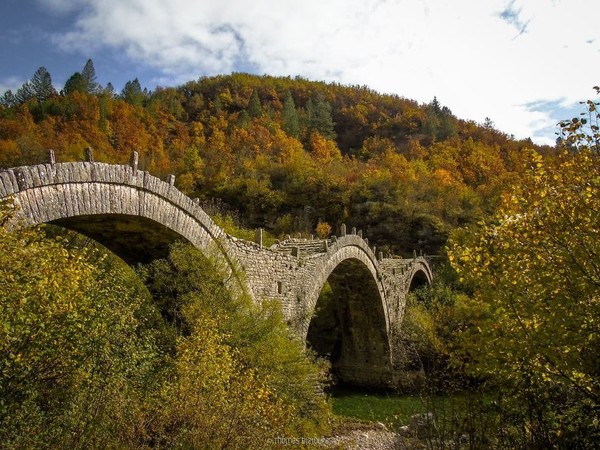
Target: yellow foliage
[[324, 150], [323, 230], [536, 263]]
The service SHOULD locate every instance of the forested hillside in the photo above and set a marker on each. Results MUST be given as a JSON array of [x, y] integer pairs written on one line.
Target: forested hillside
[[95, 356], [285, 153]]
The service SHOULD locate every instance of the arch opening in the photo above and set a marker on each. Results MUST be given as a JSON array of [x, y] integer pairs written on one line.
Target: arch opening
[[348, 327], [134, 239], [418, 280]]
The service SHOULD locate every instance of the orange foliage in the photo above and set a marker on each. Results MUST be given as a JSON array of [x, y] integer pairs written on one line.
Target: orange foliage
[[381, 165], [324, 150]]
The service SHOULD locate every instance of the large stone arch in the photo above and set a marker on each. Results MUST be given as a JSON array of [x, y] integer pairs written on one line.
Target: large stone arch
[[130, 212], [357, 314]]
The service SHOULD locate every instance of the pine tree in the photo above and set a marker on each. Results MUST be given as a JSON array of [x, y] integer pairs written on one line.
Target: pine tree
[[109, 90], [40, 87], [132, 93], [89, 75], [75, 83], [289, 114], [254, 106], [8, 99], [320, 117], [24, 93], [41, 84]]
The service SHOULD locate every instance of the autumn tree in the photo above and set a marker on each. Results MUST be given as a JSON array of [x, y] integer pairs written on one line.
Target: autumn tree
[[238, 377], [536, 266], [75, 351], [583, 131]]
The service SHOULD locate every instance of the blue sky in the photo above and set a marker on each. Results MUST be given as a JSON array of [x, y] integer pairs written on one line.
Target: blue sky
[[523, 63]]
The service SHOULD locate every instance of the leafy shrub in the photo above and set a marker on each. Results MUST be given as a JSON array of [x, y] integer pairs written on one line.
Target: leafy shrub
[[238, 375], [75, 353]]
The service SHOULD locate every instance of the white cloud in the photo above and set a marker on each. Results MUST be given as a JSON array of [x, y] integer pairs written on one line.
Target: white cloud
[[481, 59], [10, 83]]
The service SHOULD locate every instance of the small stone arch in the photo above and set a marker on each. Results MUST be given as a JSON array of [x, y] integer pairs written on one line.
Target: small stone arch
[[420, 275]]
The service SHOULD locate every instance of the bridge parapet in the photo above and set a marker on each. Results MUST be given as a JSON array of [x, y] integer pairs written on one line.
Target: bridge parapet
[[33, 182], [402, 266]]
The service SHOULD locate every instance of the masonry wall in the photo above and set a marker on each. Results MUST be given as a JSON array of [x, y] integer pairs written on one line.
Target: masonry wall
[[275, 275]]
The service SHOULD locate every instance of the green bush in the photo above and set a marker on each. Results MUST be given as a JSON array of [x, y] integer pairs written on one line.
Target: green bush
[[231, 358], [75, 354], [89, 359]]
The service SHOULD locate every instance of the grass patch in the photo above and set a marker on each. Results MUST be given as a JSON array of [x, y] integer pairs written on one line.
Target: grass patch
[[395, 410], [388, 408]]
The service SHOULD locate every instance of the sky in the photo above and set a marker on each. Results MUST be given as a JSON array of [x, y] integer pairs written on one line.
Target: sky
[[525, 64]]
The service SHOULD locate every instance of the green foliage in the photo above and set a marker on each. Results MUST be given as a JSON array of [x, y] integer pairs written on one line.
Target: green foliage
[[233, 359], [388, 408], [8, 99], [440, 124], [89, 76], [535, 265], [254, 106], [39, 87], [319, 117], [75, 353], [75, 83], [434, 316], [132, 93], [291, 124]]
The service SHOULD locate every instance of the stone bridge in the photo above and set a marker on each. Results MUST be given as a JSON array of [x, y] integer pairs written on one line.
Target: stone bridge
[[346, 301]]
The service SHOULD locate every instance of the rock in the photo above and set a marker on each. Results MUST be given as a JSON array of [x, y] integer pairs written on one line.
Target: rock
[[421, 425]]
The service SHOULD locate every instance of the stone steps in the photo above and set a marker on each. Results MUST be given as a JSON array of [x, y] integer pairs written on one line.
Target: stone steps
[[301, 247]]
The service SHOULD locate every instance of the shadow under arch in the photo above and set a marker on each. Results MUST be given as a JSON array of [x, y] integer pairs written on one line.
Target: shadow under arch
[[134, 239], [349, 325], [130, 212], [418, 280]]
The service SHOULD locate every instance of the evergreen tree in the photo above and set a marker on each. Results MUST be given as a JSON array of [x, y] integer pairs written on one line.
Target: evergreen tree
[[24, 93], [435, 105], [75, 83], [8, 99], [109, 90], [132, 93], [291, 124], [89, 75], [320, 118], [41, 84], [439, 122], [243, 119], [40, 87], [254, 106]]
